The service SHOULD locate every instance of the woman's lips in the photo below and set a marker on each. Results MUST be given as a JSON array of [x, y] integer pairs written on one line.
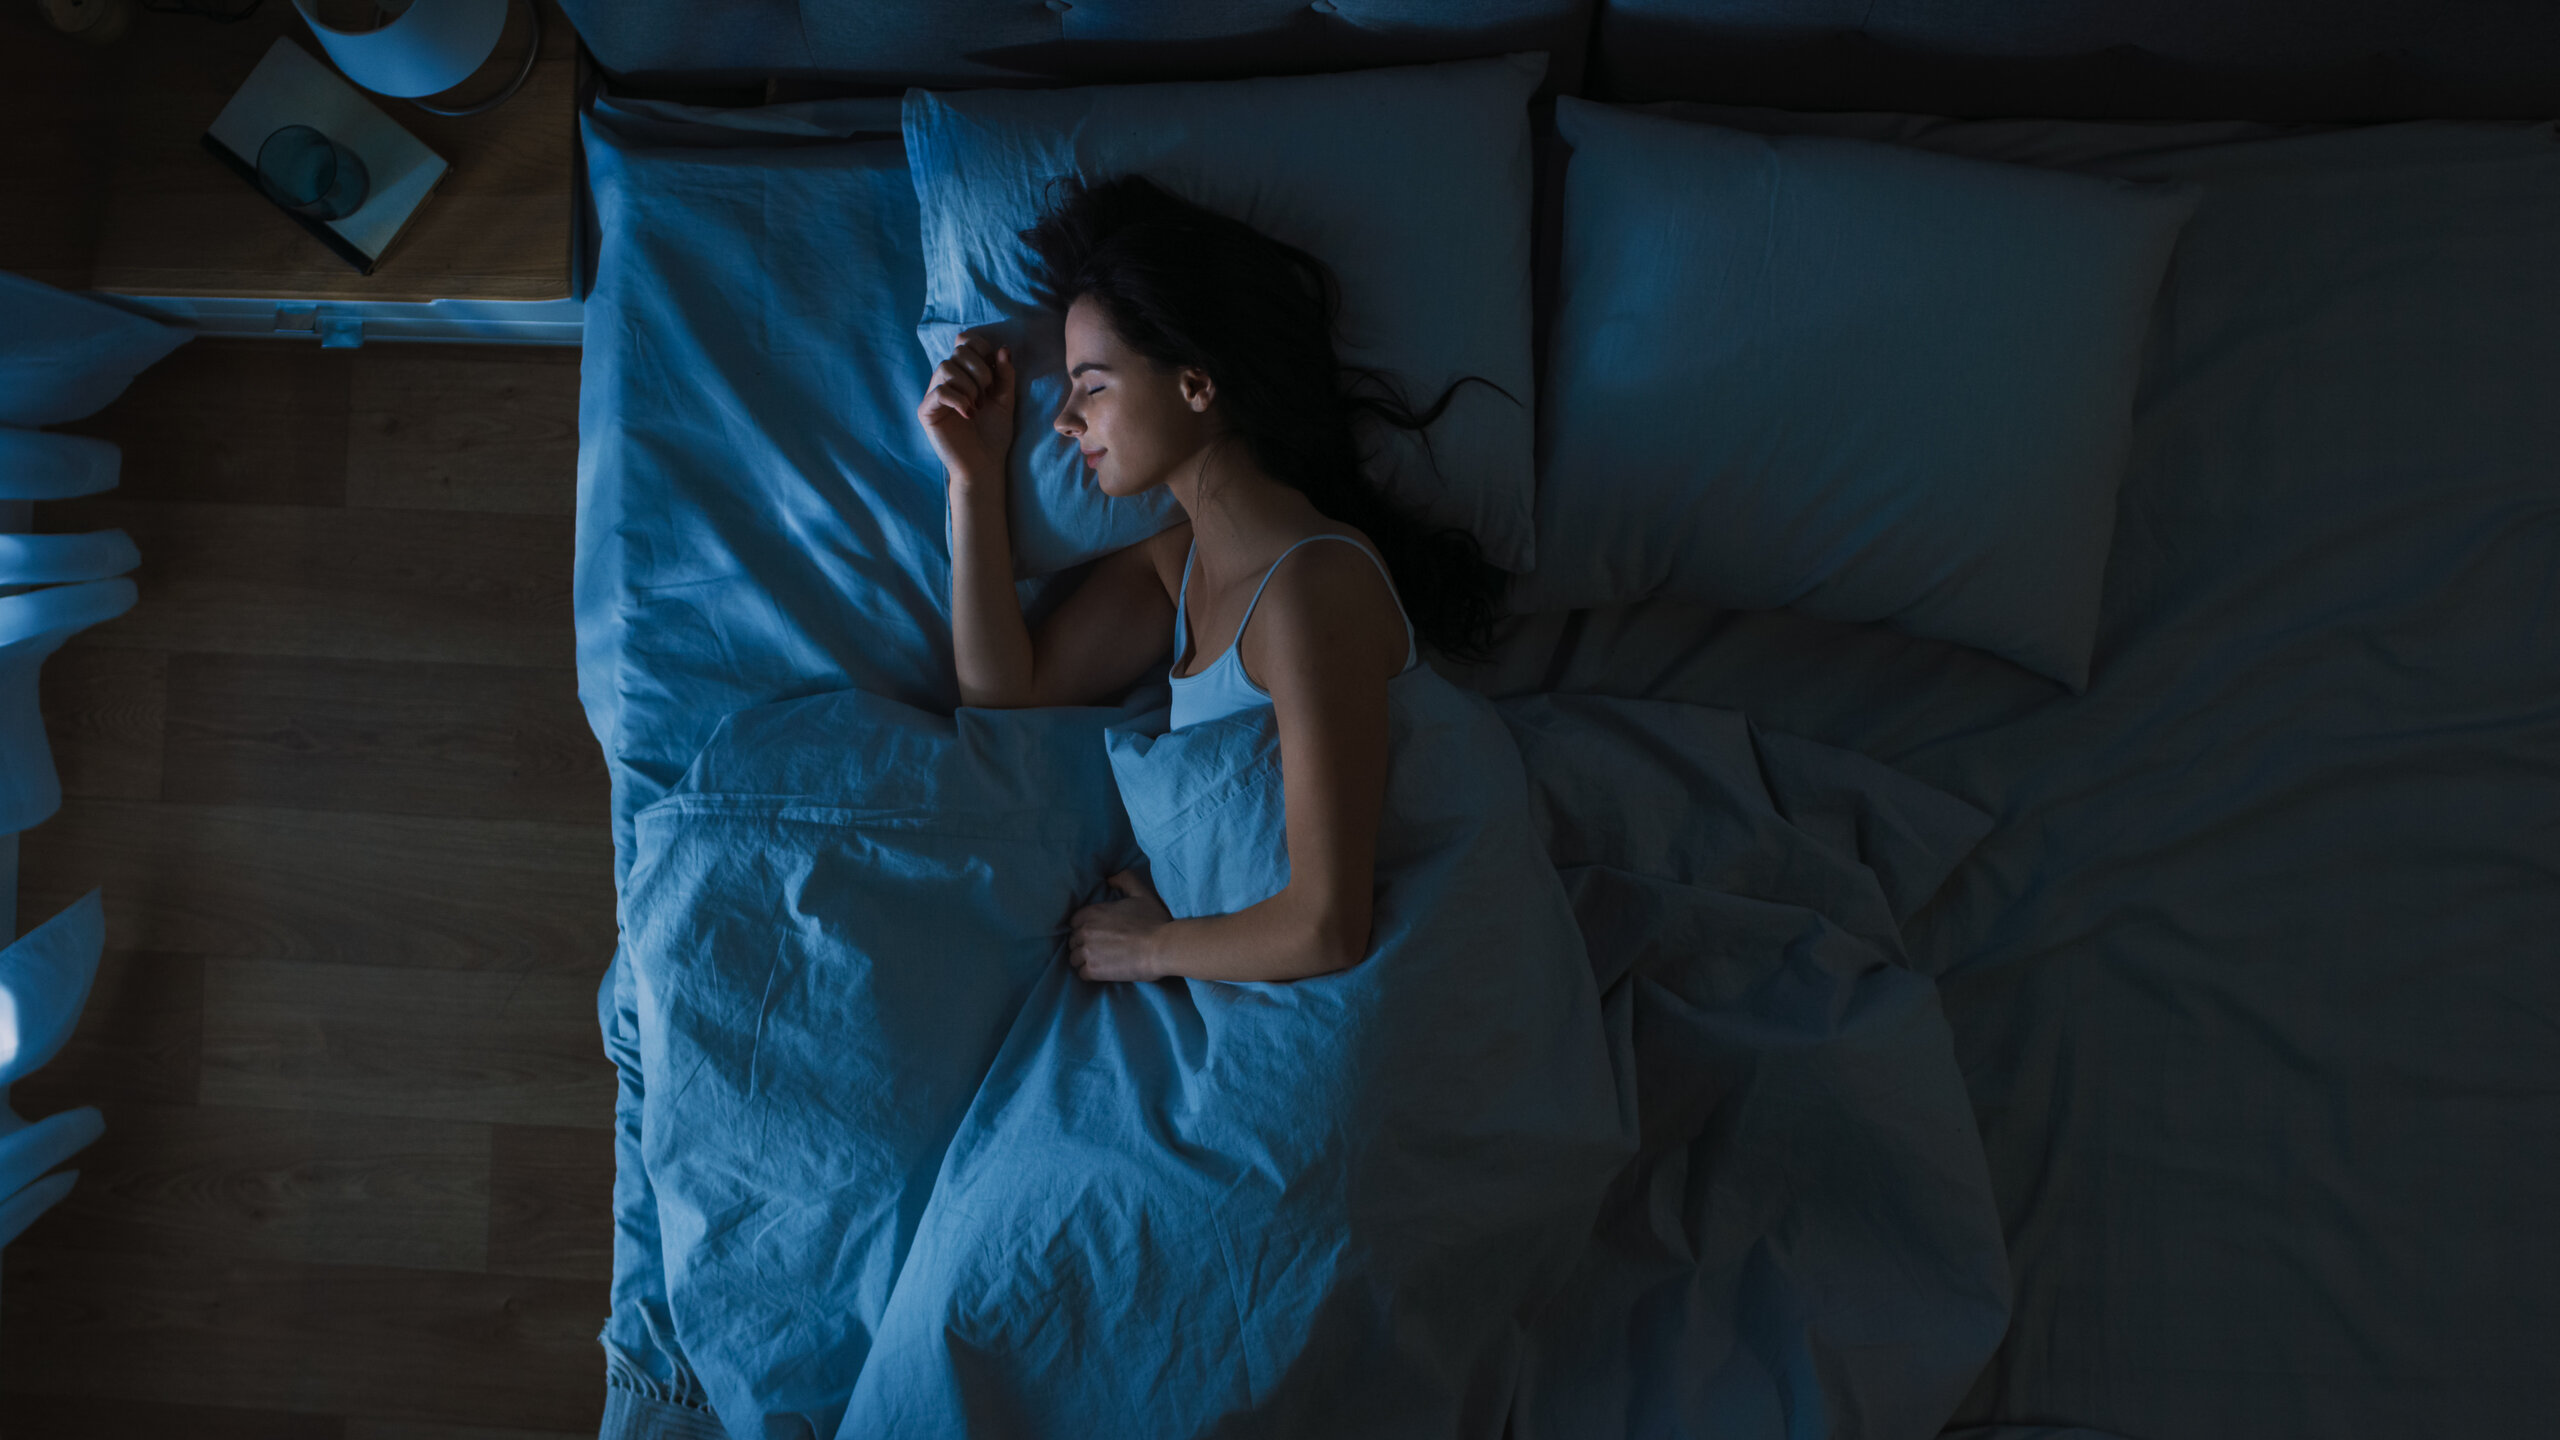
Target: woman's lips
[[1092, 456]]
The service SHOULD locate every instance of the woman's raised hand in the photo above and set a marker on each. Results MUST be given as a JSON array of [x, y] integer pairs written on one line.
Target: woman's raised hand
[[967, 410]]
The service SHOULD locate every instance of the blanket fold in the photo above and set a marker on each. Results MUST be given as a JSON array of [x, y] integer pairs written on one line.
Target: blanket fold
[[1633, 1111]]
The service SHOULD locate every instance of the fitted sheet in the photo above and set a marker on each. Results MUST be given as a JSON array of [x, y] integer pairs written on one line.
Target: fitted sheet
[[2254, 981], [2251, 985]]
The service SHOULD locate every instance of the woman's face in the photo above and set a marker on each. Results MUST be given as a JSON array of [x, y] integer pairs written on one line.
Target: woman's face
[[1136, 421]]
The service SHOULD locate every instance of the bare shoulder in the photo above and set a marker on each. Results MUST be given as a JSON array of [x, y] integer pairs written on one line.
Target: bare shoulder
[[1165, 552], [1335, 601]]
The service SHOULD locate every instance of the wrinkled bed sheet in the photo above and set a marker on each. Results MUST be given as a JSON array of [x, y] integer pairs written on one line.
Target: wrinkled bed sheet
[[915, 1178]]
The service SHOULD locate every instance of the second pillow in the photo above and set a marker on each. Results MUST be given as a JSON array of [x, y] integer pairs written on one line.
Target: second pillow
[[1870, 383]]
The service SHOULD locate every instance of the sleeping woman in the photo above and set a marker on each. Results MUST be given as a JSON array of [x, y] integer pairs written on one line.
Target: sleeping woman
[[1200, 358]]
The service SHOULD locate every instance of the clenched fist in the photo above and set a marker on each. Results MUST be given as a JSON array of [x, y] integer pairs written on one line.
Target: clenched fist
[[968, 409]]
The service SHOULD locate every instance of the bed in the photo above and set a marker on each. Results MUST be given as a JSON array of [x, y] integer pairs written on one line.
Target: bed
[[2172, 1057]]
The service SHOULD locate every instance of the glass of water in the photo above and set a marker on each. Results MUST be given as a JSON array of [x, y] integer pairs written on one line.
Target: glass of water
[[308, 173]]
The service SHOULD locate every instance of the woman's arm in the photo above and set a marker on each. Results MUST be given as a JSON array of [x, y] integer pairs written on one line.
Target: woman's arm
[[990, 645], [1326, 661], [1103, 636]]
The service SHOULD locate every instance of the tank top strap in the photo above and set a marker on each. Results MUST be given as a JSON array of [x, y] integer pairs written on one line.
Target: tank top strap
[[1411, 649], [1181, 604]]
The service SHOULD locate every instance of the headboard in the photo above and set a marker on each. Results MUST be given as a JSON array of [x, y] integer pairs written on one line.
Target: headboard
[[2092, 59], [2126, 59], [1052, 42]]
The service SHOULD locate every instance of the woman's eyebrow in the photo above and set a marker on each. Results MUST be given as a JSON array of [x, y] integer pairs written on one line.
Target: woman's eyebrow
[[1088, 365]]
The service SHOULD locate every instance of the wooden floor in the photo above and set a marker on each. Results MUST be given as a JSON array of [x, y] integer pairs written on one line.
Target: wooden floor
[[333, 776]]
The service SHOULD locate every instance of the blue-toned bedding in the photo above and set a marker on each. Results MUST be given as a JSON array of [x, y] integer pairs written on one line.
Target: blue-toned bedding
[[2166, 1060], [912, 1177]]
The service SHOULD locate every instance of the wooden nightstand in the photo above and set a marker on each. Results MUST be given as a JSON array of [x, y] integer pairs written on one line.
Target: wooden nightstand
[[173, 221]]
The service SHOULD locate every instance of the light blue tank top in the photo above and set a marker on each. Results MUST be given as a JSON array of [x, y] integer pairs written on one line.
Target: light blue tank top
[[1224, 688]]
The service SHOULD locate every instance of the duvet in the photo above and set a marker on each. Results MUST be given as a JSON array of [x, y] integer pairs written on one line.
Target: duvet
[[1632, 1119]]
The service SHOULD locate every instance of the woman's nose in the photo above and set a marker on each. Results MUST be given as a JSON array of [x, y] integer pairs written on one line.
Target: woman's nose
[[1067, 422]]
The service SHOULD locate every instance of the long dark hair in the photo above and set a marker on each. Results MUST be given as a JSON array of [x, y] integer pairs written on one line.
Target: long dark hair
[[1188, 287]]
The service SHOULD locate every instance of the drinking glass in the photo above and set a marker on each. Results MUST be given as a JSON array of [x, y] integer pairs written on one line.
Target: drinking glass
[[308, 173]]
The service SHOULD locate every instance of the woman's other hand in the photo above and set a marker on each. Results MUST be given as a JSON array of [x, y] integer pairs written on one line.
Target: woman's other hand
[[967, 410], [1116, 940]]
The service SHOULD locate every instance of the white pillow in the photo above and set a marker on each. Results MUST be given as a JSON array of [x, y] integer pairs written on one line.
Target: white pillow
[[1866, 382], [1412, 184]]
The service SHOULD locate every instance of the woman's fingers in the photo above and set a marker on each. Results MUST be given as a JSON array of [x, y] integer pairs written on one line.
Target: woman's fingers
[[980, 369], [974, 379], [990, 365], [1081, 954], [975, 357], [979, 372], [946, 396], [953, 374]]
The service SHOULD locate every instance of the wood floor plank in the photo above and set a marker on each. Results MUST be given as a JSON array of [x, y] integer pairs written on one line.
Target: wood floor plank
[[238, 419], [333, 778], [247, 881], [212, 1181], [354, 584], [96, 1417], [104, 710], [138, 1038], [497, 741], [367, 1040], [53, 171], [492, 1350], [488, 428], [363, 1429], [551, 1201]]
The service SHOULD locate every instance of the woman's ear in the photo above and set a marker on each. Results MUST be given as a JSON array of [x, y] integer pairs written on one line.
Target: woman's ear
[[1198, 389]]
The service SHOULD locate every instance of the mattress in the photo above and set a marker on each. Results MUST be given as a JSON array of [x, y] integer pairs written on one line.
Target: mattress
[[2249, 985]]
